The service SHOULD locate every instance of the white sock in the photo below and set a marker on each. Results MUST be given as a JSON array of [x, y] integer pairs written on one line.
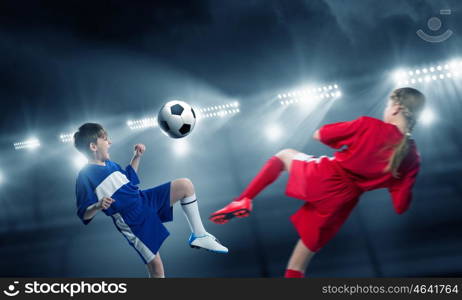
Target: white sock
[[191, 211]]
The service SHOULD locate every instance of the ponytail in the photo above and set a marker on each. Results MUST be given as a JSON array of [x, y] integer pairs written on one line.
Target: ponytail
[[398, 156], [411, 102]]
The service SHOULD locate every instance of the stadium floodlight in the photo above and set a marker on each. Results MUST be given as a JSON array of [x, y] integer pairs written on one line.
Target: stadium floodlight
[[399, 75], [32, 143], [80, 160], [427, 116], [273, 132], [180, 147], [219, 111], [142, 123], [436, 72], [303, 95], [66, 137]]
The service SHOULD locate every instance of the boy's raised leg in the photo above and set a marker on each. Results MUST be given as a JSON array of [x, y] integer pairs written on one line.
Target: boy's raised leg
[[183, 190]]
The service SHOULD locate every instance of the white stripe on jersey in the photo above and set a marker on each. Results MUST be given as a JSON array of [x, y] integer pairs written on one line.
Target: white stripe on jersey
[[110, 185], [308, 158], [134, 240]]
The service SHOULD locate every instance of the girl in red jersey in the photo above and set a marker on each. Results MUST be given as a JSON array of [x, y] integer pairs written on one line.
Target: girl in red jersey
[[377, 154]]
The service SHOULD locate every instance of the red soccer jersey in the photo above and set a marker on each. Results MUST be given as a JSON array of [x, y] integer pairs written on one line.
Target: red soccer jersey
[[369, 145], [331, 187]]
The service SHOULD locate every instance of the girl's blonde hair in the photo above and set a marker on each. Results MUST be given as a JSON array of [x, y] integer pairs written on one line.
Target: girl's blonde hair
[[411, 102]]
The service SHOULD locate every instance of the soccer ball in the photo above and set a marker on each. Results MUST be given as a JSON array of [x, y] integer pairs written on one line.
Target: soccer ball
[[176, 118]]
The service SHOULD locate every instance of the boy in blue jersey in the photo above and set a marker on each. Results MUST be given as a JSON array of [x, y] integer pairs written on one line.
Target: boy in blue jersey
[[138, 214]]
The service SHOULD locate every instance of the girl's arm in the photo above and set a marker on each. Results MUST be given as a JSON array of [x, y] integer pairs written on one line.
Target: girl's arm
[[401, 191], [337, 135], [316, 135]]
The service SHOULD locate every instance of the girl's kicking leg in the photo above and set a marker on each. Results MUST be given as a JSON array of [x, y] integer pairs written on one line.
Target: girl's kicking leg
[[183, 190], [155, 267], [242, 205], [298, 261]]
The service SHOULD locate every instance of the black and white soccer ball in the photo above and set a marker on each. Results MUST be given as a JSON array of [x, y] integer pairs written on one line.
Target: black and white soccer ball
[[176, 118]]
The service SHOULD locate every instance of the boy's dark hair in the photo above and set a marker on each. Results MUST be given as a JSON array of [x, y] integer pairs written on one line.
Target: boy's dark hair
[[88, 133]]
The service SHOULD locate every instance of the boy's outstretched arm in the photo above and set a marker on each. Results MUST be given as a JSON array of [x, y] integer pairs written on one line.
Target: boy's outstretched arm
[[92, 210], [139, 150]]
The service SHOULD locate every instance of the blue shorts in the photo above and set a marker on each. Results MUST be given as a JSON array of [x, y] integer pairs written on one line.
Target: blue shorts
[[142, 225], [158, 199]]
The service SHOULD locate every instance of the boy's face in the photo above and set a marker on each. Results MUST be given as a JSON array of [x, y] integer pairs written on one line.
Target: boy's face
[[101, 148]]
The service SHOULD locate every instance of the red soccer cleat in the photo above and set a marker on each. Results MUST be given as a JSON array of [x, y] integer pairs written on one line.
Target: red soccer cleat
[[238, 208]]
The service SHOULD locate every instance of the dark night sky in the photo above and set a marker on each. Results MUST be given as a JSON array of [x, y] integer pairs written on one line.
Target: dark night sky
[[66, 62], [50, 51]]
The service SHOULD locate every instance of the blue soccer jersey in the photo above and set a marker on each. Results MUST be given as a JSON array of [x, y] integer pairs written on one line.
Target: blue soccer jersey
[[137, 214], [95, 182]]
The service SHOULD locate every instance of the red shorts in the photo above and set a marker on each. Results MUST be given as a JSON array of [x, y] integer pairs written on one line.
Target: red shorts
[[329, 194]]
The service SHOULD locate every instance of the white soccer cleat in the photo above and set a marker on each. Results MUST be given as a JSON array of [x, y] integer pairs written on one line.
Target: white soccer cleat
[[207, 242]]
